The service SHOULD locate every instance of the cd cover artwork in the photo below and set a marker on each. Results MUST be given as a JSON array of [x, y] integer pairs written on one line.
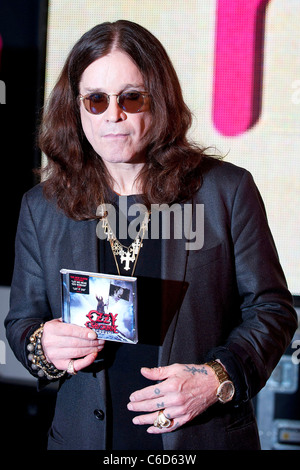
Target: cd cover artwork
[[101, 302]]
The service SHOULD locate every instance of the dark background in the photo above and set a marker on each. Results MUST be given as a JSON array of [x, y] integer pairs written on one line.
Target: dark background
[[25, 414], [23, 31]]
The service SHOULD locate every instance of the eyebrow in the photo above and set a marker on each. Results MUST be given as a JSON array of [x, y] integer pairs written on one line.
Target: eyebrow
[[122, 88]]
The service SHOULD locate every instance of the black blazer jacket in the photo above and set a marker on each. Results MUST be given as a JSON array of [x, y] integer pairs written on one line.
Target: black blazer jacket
[[227, 299]]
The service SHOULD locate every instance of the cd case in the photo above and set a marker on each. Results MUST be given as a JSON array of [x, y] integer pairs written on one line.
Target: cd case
[[104, 303]]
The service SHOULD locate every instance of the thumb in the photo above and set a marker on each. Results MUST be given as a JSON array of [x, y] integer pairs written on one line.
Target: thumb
[[156, 373]]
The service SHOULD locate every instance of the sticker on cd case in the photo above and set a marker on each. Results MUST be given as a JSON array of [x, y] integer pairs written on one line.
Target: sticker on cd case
[[104, 303]]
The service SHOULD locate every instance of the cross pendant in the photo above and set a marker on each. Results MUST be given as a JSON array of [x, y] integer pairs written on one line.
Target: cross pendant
[[127, 257], [136, 245]]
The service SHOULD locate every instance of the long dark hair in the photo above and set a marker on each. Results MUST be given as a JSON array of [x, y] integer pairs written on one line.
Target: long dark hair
[[75, 174]]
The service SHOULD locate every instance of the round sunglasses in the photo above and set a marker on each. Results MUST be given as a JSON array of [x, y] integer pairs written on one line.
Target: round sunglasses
[[129, 101]]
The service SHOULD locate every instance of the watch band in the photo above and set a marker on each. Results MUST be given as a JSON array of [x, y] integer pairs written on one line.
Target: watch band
[[220, 372], [226, 390]]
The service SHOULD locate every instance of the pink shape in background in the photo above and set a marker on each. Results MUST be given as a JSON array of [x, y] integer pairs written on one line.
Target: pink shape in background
[[238, 64]]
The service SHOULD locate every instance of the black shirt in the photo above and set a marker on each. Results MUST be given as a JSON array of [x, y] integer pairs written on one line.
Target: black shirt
[[124, 361]]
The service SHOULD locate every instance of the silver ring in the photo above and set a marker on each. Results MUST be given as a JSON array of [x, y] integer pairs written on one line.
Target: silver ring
[[70, 368], [162, 421]]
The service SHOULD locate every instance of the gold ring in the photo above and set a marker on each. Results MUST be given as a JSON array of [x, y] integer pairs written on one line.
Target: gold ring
[[162, 421], [70, 368]]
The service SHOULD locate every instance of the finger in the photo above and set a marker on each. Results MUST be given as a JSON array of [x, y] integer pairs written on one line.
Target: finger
[[62, 335], [74, 353], [78, 364], [147, 405], [167, 400], [175, 423], [72, 342], [154, 391], [84, 361], [81, 332], [58, 328], [159, 373], [147, 393], [150, 418], [59, 355]]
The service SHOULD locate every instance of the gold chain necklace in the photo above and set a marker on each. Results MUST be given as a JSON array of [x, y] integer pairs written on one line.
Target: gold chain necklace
[[128, 254]]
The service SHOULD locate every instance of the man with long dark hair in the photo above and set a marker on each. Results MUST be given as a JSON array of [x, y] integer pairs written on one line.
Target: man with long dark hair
[[213, 321]]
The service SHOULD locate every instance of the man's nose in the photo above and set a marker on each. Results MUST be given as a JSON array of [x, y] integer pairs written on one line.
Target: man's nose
[[114, 112]]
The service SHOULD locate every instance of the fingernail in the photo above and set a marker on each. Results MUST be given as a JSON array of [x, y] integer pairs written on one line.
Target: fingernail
[[92, 335], [129, 406]]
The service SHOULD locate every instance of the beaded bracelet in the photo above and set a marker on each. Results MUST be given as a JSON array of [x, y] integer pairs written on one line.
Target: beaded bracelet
[[37, 357]]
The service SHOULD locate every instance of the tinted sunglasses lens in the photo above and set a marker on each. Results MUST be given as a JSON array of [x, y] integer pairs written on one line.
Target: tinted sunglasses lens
[[96, 103], [131, 102]]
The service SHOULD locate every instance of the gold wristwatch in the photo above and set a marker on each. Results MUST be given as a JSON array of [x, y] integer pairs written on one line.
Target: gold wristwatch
[[226, 388]]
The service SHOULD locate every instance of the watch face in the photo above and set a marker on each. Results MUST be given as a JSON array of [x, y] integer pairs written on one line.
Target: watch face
[[226, 391]]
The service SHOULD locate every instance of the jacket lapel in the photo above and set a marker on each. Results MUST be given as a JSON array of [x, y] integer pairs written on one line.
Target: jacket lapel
[[84, 245], [173, 268]]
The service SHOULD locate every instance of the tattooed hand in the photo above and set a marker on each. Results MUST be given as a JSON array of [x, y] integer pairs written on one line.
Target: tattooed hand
[[184, 392]]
